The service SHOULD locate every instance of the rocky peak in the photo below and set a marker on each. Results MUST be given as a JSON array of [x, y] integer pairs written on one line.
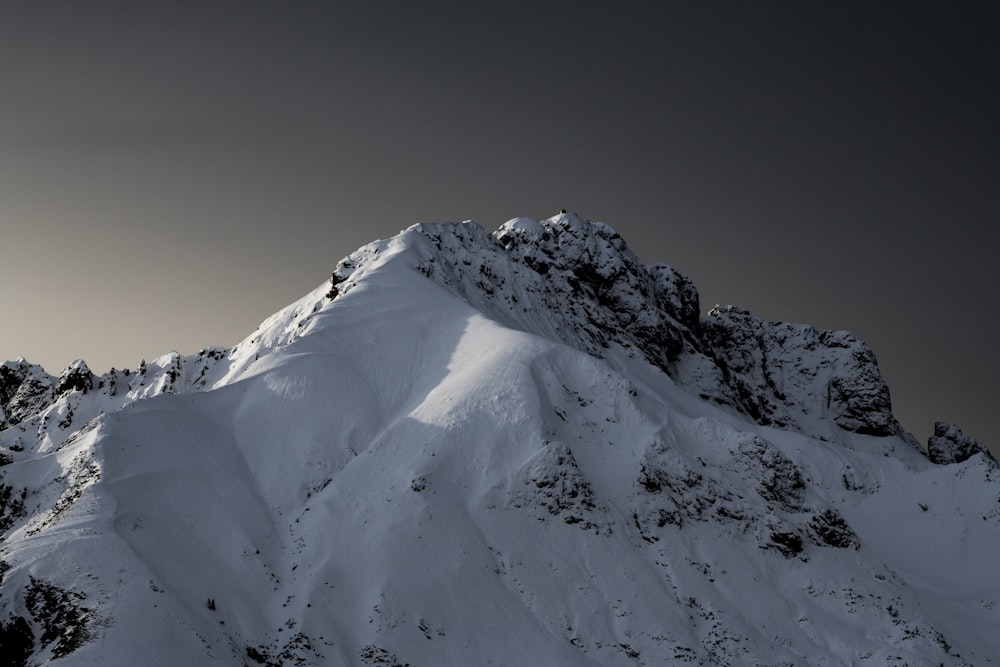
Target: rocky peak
[[12, 374], [578, 282], [25, 389], [651, 308], [76, 377], [950, 445], [568, 279]]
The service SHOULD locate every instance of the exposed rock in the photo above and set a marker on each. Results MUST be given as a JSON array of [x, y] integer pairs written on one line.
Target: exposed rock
[[675, 494], [11, 506], [17, 641], [782, 374], [34, 393], [581, 274], [788, 545], [63, 619], [950, 445], [780, 480], [76, 377], [376, 656], [829, 528], [553, 482], [12, 374]]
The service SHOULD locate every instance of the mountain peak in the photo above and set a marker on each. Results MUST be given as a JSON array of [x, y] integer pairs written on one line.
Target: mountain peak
[[520, 447], [577, 282]]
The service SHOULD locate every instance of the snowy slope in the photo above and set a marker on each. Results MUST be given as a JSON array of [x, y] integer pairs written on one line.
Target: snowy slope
[[518, 448]]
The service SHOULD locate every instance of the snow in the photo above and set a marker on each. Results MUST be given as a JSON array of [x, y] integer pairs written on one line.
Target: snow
[[458, 461]]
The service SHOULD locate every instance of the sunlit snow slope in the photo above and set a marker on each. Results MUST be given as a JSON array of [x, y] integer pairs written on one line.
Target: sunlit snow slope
[[518, 448]]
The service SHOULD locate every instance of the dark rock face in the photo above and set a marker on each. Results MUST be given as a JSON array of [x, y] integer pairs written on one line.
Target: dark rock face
[[677, 495], [788, 545], [672, 494], [552, 482], [779, 372], [859, 396], [592, 290], [76, 377], [950, 445], [11, 375], [16, 641], [830, 529], [25, 389], [63, 619], [11, 506], [780, 479], [58, 613]]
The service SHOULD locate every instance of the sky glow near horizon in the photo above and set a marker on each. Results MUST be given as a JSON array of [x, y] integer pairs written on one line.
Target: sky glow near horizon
[[170, 176]]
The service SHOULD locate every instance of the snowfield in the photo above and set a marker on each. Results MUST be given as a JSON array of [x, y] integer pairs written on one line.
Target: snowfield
[[518, 448]]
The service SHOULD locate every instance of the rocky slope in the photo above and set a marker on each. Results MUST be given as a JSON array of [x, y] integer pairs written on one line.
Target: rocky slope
[[522, 448]]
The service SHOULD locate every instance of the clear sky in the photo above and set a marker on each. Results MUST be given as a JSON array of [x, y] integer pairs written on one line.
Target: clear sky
[[173, 173]]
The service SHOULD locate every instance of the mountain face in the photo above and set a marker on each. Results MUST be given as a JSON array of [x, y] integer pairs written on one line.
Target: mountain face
[[523, 447]]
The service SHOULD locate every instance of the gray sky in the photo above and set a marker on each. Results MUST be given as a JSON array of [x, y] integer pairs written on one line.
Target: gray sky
[[173, 173]]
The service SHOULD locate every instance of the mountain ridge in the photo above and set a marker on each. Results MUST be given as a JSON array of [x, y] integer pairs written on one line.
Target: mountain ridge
[[529, 432]]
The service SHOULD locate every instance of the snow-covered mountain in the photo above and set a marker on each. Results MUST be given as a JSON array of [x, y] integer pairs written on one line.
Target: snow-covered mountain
[[517, 448]]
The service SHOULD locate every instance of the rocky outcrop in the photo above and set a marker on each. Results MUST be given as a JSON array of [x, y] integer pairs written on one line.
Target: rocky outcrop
[[76, 377], [786, 375], [551, 484], [568, 279], [25, 390], [950, 445], [783, 514]]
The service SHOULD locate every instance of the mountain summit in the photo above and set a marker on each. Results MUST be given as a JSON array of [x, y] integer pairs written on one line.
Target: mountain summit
[[523, 447]]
